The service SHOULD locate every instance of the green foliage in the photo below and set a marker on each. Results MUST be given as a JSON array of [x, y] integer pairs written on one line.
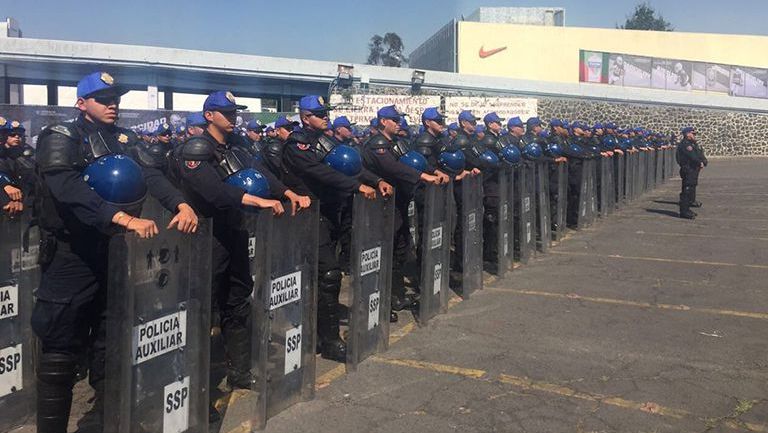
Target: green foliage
[[645, 18]]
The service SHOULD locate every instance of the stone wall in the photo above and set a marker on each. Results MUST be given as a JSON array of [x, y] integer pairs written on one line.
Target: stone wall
[[721, 132]]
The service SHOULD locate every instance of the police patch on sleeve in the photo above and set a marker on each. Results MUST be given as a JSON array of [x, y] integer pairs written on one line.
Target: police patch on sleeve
[[689, 148], [303, 146], [122, 138], [192, 164], [381, 151]]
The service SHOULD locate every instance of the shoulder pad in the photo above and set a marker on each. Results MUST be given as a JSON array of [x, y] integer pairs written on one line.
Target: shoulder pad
[[462, 141], [425, 139], [58, 148], [489, 140], [300, 137], [67, 129], [378, 141], [198, 148], [150, 155]]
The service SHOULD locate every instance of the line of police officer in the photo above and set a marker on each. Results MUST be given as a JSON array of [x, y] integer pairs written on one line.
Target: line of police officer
[[89, 177]]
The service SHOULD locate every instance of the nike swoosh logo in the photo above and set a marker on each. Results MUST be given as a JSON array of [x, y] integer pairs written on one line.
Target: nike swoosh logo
[[483, 54]]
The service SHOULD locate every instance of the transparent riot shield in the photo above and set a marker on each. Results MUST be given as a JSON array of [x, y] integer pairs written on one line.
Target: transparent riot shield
[[413, 225], [602, 191], [284, 311], [638, 180], [435, 261], [671, 163], [619, 176], [583, 196], [158, 330], [660, 154], [558, 198], [371, 264], [472, 232], [525, 236], [19, 277], [543, 216]]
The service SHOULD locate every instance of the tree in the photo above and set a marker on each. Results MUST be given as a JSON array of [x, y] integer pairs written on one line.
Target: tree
[[645, 18], [386, 50]]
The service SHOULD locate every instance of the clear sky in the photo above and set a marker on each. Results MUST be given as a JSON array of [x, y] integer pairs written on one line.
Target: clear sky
[[328, 29]]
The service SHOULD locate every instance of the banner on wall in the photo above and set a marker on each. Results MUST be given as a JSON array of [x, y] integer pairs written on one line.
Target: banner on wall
[[671, 74], [504, 106], [363, 108], [593, 67]]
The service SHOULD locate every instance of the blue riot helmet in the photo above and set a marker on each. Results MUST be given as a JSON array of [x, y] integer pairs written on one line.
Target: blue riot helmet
[[345, 159], [532, 151], [575, 148], [625, 144], [452, 162], [554, 149], [511, 154], [415, 160], [490, 157], [609, 143], [117, 179], [250, 181]]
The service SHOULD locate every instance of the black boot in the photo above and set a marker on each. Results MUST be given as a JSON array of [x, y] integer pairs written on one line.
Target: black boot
[[399, 300], [55, 379], [331, 345], [238, 344]]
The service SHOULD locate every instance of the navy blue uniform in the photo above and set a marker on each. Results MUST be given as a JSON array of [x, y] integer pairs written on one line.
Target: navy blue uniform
[[76, 224], [306, 173], [690, 157]]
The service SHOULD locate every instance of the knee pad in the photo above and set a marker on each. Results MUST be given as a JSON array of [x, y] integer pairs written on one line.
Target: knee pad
[[57, 368], [331, 277]]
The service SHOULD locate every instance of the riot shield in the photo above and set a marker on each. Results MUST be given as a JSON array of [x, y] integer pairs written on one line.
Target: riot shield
[[619, 176], [644, 156], [413, 227], [611, 187], [158, 323], [472, 233], [602, 184], [638, 181], [671, 163], [372, 236], [525, 236], [592, 190], [558, 198], [582, 217], [435, 260], [508, 197], [660, 155], [284, 311], [543, 216], [19, 277]]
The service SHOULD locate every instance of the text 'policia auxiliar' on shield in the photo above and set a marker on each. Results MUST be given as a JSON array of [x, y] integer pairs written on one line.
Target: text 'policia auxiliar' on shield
[[284, 290], [159, 336]]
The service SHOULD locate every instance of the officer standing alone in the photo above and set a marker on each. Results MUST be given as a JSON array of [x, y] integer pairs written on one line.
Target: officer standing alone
[[691, 159]]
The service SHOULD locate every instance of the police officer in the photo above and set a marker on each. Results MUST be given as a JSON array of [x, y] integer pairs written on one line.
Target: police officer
[[19, 162], [532, 129], [76, 223], [255, 133], [691, 159], [203, 163], [307, 173], [195, 124], [342, 130], [11, 195], [382, 156], [576, 153], [494, 142], [272, 154]]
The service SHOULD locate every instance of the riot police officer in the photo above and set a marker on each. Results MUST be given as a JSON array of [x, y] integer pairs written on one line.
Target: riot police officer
[[77, 217], [382, 154], [17, 161], [691, 159], [206, 165], [342, 130], [272, 154], [195, 124], [307, 173]]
